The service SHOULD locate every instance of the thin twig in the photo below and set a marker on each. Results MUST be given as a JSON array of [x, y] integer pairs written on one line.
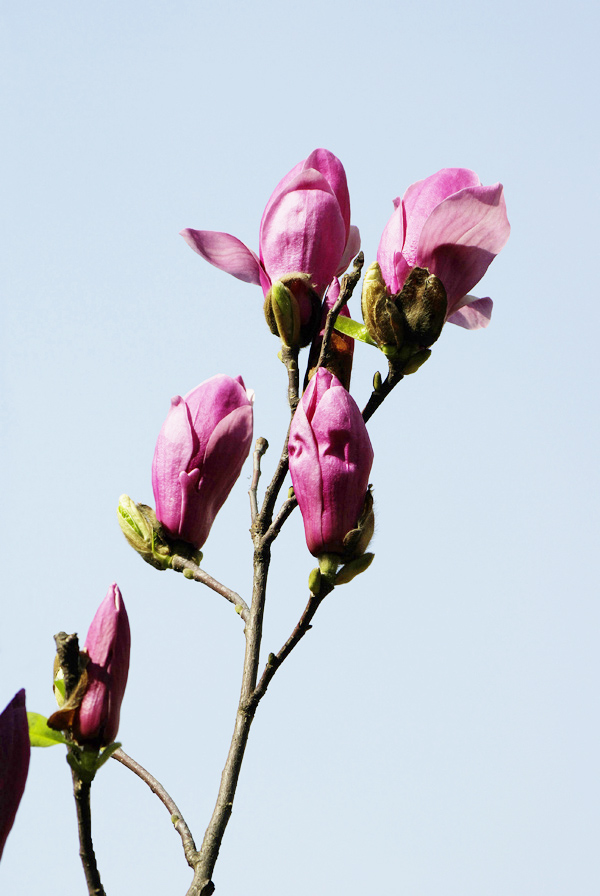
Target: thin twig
[[259, 450], [274, 487], [347, 286], [289, 356], [302, 627], [378, 396], [189, 847], [180, 564], [81, 792], [284, 511]]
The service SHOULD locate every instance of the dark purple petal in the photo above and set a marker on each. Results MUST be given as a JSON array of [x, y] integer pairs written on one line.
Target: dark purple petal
[[14, 762]]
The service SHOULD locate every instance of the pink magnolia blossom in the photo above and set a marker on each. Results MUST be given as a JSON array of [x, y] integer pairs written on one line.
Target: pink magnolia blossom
[[453, 226], [330, 462], [14, 762], [199, 455], [305, 229], [107, 645]]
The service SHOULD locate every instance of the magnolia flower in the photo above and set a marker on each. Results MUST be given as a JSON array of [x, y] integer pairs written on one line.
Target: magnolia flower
[[199, 455], [453, 226], [305, 229], [14, 762], [330, 462], [107, 645]]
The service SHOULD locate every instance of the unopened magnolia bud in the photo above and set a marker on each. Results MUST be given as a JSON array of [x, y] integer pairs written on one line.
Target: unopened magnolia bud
[[377, 381], [353, 568], [307, 304], [283, 314], [381, 316], [143, 532], [107, 645], [423, 303]]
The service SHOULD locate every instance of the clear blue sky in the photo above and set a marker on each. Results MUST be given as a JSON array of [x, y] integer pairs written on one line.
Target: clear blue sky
[[436, 734]]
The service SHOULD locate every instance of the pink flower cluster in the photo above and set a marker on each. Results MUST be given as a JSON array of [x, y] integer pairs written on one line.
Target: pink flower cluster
[[448, 223]]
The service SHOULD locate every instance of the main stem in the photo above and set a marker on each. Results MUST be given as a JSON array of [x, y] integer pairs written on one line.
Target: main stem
[[81, 791], [202, 884]]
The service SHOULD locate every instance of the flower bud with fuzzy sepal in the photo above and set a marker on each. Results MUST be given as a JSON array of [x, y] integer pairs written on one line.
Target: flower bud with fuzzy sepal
[[330, 463], [199, 456]]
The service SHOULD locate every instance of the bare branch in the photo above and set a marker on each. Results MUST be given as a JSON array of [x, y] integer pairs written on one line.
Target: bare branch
[[191, 570], [284, 512], [189, 847], [81, 792], [259, 449], [347, 286], [378, 396]]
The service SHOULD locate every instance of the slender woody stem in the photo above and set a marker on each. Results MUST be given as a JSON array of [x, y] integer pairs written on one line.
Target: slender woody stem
[[289, 356], [259, 449], [189, 847], [81, 792], [347, 286], [202, 884], [181, 564], [378, 396], [284, 511], [264, 530], [303, 626]]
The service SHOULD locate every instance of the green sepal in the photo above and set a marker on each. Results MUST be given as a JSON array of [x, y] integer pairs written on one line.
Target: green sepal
[[314, 581], [86, 761], [328, 565], [416, 361], [39, 733], [59, 688], [353, 568], [353, 329], [106, 754]]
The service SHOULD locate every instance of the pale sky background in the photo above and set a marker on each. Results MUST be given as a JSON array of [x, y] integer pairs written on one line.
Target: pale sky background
[[436, 734]]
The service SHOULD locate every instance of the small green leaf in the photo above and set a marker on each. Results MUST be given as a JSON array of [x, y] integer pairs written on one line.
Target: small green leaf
[[39, 733], [106, 754], [352, 328]]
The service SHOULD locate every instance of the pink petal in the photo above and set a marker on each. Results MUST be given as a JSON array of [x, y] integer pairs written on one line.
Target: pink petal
[[175, 446], [473, 315], [303, 231], [422, 197], [351, 251], [225, 252], [462, 236], [389, 254], [333, 171]]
